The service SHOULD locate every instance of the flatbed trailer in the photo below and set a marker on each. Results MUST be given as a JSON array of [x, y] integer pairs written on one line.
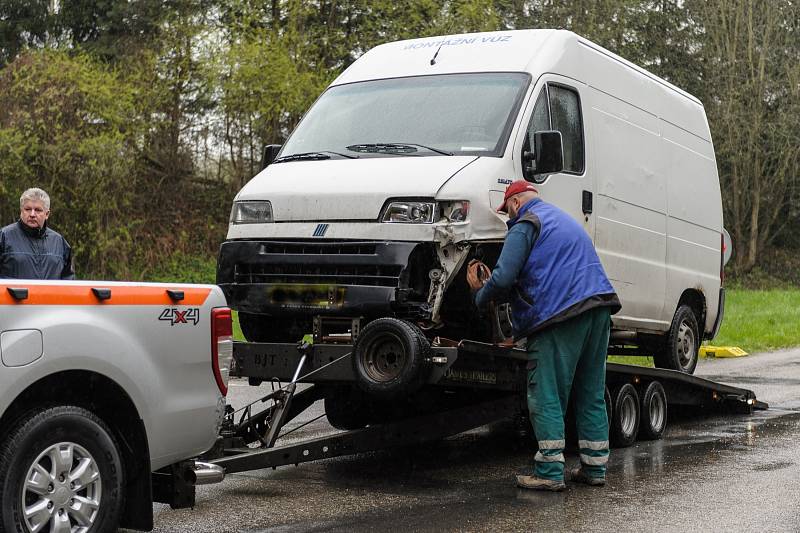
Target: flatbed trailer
[[469, 384]]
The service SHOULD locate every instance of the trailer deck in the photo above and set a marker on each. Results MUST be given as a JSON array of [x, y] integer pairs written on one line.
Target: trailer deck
[[473, 384]]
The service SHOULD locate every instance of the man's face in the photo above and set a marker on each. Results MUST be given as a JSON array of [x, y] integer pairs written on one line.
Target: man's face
[[33, 214], [512, 206]]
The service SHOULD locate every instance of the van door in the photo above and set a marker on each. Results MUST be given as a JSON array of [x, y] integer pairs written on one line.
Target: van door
[[555, 104]]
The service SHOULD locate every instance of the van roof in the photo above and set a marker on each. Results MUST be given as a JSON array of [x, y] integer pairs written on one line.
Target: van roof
[[536, 52]]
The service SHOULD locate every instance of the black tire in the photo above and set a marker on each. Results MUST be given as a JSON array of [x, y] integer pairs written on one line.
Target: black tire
[[390, 357], [609, 406], [264, 328], [347, 409], [61, 430], [680, 348], [653, 412], [625, 417]]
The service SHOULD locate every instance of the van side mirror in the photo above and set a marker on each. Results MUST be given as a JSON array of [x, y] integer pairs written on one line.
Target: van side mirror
[[269, 155], [547, 156]]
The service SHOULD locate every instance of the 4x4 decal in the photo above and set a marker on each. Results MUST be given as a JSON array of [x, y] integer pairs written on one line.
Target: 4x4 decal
[[176, 316]]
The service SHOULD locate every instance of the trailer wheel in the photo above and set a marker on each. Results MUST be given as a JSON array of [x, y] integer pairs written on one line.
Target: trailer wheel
[[625, 418], [653, 412], [390, 358], [680, 349], [60, 470]]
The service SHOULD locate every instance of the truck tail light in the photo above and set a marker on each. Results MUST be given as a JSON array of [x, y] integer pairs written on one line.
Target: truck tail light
[[221, 346]]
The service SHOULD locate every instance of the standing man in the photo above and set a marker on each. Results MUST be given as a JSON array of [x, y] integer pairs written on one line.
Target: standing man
[[562, 304], [31, 250]]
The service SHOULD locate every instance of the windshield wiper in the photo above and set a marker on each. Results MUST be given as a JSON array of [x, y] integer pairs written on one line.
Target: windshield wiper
[[393, 148], [312, 156]]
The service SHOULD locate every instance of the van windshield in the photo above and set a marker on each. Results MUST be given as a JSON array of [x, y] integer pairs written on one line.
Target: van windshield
[[452, 114]]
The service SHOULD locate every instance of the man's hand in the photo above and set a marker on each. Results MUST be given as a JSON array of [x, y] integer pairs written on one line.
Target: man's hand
[[477, 274]]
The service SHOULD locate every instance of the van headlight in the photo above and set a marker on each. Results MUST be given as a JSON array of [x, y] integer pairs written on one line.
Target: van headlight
[[251, 212], [454, 211], [409, 212]]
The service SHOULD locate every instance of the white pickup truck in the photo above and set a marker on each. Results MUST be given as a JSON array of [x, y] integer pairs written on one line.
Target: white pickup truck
[[107, 390]]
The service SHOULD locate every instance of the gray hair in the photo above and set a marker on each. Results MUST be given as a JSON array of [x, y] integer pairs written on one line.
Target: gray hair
[[35, 195]]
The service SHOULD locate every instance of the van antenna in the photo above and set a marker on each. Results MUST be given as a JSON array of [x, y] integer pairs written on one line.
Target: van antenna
[[433, 59]]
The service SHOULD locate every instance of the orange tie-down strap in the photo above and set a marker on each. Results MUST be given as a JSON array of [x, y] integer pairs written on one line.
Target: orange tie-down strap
[[84, 295]]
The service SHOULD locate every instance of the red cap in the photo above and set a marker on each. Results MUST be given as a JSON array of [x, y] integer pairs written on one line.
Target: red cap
[[516, 187]]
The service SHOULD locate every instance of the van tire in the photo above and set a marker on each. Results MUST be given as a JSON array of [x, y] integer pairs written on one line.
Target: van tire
[[390, 357], [51, 430], [653, 412], [625, 418], [680, 349]]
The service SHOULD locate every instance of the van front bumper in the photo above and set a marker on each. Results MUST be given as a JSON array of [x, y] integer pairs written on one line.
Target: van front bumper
[[324, 277]]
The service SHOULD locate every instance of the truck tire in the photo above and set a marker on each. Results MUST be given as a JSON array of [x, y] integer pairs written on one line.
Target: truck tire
[[609, 406], [390, 357], [64, 462], [625, 418], [653, 412], [679, 350], [263, 328]]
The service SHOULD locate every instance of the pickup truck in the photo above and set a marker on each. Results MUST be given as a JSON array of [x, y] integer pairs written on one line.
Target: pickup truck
[[107, 392]]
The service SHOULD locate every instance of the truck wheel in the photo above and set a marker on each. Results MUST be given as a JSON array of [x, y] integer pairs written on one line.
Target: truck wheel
[[680, 349], [653, 412], [625, 418], [60, 470], [390, 358], [609, 406], [263, 328]]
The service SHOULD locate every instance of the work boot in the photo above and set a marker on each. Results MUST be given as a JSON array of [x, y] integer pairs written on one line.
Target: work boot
[[540, 483], [579, 475]]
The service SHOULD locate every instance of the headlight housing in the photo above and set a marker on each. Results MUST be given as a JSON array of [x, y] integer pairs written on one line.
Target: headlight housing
[[454, 211], [409, 212], [251, 212]]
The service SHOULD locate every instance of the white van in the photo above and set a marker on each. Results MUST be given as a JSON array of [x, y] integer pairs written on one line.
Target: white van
[[389, 185]]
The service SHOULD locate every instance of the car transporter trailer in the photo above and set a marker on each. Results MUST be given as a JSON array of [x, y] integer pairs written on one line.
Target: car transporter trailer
[[467, 385]]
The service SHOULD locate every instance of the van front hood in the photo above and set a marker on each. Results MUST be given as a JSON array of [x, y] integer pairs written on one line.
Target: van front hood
[[349, 189]]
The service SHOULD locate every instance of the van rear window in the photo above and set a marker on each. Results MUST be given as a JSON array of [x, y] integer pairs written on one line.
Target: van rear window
[[460, 114]]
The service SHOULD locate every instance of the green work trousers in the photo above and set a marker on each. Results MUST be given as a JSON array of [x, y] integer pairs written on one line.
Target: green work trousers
[[570, 358]]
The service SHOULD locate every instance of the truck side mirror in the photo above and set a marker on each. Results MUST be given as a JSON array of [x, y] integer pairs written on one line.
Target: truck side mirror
[[547, 156], [269, 155]]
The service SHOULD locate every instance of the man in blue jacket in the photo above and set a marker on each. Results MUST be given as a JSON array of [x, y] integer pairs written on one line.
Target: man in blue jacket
[[561, 303], [31, 250]]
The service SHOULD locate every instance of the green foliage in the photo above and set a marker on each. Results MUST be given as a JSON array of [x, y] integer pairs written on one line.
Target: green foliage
[[761, 320]]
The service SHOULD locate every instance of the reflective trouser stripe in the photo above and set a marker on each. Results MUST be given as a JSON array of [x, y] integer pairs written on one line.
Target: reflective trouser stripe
[[551, 444], [541, 458], [597, 445], [594, 461]]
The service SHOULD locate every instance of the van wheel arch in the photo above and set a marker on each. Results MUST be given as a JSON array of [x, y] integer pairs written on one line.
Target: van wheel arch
[[107, 400]]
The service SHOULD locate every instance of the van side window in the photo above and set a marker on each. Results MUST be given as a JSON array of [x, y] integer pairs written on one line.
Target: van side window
[[565, 115], [558, 108]]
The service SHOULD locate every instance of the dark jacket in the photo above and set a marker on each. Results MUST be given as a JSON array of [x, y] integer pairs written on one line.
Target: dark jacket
[[556, 277], [27, 253]]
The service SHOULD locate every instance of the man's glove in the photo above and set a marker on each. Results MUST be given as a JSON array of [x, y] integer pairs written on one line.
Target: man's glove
[[477, 274]]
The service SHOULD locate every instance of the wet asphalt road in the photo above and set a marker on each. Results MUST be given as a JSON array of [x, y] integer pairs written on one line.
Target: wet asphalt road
[[712, 474]]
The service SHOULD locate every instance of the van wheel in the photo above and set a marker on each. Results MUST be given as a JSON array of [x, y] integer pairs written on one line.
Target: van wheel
[[653, 412], [60, 470], [680, 351], [264, 328], [625, 418], [390, 357]]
